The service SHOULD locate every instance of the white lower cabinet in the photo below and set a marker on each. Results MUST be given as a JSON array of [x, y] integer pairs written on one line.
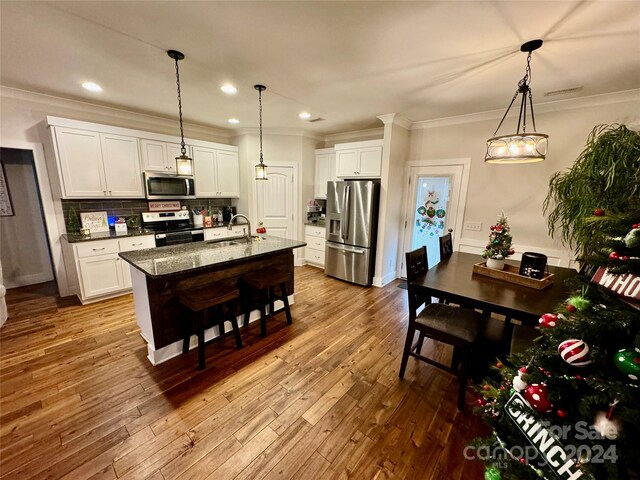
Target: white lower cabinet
[[101, 271], [315, 240], [217, 233]]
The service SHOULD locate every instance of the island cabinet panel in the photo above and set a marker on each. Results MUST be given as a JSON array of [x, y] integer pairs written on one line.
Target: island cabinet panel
[[168, 316]]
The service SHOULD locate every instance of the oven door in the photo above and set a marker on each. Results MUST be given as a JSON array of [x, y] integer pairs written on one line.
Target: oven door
[[160, 186]]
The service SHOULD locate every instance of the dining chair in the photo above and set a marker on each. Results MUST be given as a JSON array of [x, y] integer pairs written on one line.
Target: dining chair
[[456, 326], [446, 245]]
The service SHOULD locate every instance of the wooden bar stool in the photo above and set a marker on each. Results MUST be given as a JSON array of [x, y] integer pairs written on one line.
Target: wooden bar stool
[[265, 283], [202, 301]]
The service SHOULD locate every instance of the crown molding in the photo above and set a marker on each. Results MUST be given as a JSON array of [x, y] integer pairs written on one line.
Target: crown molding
[[397, 119], [336, 137], [195, 130], [555, 106], [294, 132]]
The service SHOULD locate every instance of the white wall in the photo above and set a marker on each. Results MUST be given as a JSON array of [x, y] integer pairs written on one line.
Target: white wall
[[519, 190], [24, 252]]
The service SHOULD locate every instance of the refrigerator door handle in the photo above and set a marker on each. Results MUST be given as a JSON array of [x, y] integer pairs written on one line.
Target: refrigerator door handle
[[349, 250], [346, 205]]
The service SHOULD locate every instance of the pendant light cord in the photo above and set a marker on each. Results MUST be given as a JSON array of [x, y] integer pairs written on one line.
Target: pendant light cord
[[260, 102], [183, 149]]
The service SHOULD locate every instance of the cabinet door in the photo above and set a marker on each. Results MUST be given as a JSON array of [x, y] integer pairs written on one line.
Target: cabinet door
[[370, 161], [227, 174], [154, 155], [173, 151], [204, 165], [321, 176], [80, 159], [100, 275], [215, 233], [332, 168], [347, 163], [122, 166]]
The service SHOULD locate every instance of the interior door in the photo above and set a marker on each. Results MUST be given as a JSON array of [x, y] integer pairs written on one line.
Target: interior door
[[275, 202], [433, 200]]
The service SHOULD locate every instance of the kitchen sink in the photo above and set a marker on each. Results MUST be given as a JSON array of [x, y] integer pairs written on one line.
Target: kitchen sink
[[223, 243]]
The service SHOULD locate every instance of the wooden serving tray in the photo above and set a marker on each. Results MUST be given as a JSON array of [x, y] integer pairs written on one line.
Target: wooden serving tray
[[510, 274]]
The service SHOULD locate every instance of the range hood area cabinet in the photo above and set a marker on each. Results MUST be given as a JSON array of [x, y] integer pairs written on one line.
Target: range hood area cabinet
[[217, 172], [160, 156], [359, 159], [97, 165]]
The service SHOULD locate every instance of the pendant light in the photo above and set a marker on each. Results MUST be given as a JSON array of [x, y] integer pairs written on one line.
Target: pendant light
[[184, 164], [520, 147], [261, 168]]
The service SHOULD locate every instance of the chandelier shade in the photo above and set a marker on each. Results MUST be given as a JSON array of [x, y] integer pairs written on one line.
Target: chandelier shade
[[520, 147], [184, 163]]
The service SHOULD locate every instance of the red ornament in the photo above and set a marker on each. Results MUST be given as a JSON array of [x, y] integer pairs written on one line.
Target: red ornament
[[523, 460], [575, 352], [499, 365], [480, 402], [578, 377], [492, 227], [511, 251], [486, 387], [536, 395], [635, 225], [548, 320], [502, 388], [598, 212], [570, 308], [614, 256], [523, 370], [561, 413]]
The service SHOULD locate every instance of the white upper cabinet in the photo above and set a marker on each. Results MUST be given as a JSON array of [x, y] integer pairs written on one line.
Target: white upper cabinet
[[217, 173], [121, 166], [159, 156], [80, 162], [98, 164], [325, 171], [359, 159]]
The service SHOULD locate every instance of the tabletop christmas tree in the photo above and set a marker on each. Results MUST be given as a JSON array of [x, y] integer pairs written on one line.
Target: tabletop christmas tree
[[499, 244], [569, 407]]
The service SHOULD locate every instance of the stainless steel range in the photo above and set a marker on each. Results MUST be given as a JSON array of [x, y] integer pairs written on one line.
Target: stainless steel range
[[171, 228]]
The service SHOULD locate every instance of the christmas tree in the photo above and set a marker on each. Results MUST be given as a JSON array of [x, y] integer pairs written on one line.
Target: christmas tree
[[569, 407], [499, 245]]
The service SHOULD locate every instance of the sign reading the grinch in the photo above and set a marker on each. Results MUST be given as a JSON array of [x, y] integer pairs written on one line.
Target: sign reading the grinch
[[551, 450]]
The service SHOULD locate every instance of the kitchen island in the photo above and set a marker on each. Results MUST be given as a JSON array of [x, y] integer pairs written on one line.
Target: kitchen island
[[159, 275]]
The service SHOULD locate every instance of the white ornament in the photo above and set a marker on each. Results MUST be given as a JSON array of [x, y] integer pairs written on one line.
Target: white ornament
[[518, 383], [607, 428]]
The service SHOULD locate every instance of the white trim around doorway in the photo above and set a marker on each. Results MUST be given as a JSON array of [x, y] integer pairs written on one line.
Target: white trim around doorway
[[53, 215]]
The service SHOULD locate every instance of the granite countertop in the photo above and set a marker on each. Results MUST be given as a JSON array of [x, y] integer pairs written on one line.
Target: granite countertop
[[188, 257], [136, 232], [322, 224]]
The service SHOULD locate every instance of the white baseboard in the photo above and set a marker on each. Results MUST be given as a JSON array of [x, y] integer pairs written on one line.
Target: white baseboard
[[24, 280], [382, 281]]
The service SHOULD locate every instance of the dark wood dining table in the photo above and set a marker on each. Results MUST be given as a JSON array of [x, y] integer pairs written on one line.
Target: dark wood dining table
[[453, 279]]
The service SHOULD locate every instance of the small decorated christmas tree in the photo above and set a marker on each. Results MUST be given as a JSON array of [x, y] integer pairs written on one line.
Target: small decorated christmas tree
[[499, 245], [73, 222]]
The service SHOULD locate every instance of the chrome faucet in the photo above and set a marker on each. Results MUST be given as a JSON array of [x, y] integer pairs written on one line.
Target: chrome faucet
[[248, 235]]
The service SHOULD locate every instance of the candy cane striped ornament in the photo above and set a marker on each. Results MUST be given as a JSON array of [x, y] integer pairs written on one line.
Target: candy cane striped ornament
[[574, 352]]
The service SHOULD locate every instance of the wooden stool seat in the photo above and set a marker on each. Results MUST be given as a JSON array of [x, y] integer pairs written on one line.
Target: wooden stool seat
[[208, 296], [265, 283], [201, 301]]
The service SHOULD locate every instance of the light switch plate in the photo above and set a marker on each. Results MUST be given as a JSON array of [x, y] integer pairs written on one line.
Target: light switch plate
[[473, 226]]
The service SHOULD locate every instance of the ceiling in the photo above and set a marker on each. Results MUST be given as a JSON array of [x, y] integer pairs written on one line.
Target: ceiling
[[345, 62]]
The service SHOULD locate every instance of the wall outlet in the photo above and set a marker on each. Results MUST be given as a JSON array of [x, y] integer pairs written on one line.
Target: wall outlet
[[473, 226]]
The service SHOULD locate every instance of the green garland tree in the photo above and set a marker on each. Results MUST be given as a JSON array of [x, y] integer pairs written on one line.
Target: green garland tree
[[581, 378]]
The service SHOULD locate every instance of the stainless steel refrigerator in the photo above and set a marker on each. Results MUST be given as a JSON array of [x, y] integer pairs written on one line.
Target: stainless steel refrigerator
[[352, 227]]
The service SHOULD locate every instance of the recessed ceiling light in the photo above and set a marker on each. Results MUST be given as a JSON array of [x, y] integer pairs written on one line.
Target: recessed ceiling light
[[229, 89], [92, 87], [233, 120], [305, 115]]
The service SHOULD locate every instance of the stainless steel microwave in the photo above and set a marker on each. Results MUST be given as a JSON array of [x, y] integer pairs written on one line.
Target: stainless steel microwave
[[162, 186]]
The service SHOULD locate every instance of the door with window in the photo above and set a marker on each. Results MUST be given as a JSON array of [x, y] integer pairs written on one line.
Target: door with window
[[434, 200]]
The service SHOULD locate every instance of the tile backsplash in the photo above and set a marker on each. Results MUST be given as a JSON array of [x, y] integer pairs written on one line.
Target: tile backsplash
[[134, 207]]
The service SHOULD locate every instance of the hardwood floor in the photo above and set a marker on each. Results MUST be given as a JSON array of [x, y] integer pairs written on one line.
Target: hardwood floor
[[319, 399]]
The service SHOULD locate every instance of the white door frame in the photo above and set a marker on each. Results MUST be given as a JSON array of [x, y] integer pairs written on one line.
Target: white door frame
[[254, 206], [53, 214], [462, 199]]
